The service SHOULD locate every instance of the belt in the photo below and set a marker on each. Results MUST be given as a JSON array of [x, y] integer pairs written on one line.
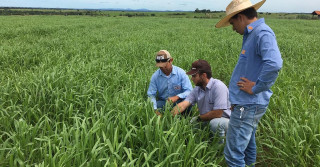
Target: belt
[[233, 106]]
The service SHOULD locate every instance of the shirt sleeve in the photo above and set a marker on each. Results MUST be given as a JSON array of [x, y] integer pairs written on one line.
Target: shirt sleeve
[[219, 97], [186, 86], [191, 98], [152, 91], [272, 62]]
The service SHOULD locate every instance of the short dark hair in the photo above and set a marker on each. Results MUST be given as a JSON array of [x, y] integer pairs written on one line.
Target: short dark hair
[[209, 74], [250, 13]]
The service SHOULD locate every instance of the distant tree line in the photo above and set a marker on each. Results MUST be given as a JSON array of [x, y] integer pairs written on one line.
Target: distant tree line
[[7, 11], [205, 11], [135, 14], [177, 14], [66, 12]]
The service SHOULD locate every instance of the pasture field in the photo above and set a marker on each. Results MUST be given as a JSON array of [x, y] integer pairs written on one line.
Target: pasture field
[[73, 92]]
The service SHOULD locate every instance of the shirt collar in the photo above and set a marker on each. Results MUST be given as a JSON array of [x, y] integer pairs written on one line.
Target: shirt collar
[[174, 70], [210, 83], [253, 25]]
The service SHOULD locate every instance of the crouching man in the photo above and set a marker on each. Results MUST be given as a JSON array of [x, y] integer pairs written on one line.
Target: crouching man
[[168, 84], [211, 96]]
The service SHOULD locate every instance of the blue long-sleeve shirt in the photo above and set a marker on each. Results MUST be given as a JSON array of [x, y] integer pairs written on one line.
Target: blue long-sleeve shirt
[[259, 61], [162, 87]]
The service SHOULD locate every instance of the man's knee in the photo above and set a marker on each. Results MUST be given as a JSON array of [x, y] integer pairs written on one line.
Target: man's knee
[[219, 124]]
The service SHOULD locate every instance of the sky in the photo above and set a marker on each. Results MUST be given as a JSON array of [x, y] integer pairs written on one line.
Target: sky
[[289, 6]]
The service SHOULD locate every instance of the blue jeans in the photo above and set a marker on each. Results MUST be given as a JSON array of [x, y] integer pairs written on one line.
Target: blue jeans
[[219, 125], [162, 103], [240, 149]]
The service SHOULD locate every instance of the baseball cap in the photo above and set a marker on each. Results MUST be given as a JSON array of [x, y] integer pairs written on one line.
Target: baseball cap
[[199, 66], [162, 57]]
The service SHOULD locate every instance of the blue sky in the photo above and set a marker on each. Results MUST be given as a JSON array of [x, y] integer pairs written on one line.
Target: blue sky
[[305, 6]]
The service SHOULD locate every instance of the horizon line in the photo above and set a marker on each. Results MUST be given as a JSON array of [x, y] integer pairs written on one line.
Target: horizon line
[[130, 9]]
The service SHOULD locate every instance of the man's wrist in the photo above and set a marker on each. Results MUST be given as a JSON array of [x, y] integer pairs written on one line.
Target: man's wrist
[[173, 99], [158, 112], [177, 98]]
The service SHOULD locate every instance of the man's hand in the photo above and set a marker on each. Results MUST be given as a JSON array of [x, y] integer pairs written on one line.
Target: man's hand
[[173, 99], [180, 107], [195, 119], [246, 85], [158, 113], [175, 111]]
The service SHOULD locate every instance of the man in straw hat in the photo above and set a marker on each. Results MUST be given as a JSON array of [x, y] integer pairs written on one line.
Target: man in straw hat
[[168, 84], [212, 97], [249, 87]]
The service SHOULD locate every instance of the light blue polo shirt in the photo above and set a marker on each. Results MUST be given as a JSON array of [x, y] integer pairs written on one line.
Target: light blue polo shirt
[[215, 97]]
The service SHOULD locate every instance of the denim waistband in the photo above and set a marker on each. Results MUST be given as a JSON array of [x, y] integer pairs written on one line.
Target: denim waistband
[[245, 105]]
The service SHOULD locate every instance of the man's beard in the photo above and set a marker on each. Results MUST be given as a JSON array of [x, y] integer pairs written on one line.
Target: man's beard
[[200, 83]]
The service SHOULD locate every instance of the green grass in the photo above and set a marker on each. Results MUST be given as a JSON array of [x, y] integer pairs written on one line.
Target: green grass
[[73, 92]]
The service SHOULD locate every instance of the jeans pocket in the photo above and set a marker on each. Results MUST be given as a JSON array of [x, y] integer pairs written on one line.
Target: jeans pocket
[[246, 114], [260, 111], [235, 119]]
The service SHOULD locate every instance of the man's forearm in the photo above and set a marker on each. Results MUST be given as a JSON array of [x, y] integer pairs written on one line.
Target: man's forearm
[[211, 115], [173, 99], [179, 108], [264, 86]]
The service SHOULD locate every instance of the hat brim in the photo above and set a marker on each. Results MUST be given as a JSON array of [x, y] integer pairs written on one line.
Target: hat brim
[[225, 21], [192, 72]]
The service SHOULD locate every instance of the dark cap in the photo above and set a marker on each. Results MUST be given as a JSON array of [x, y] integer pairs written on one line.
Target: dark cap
[[199, 66]]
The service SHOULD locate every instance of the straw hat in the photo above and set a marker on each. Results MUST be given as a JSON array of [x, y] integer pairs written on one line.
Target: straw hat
[[235, 7]]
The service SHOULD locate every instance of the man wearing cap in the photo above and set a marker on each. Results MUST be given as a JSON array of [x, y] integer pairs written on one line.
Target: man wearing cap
[[212, 97], [168, 84], [249, 87]]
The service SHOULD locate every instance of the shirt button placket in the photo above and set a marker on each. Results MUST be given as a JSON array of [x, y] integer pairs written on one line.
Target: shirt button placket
[[169, 87]]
